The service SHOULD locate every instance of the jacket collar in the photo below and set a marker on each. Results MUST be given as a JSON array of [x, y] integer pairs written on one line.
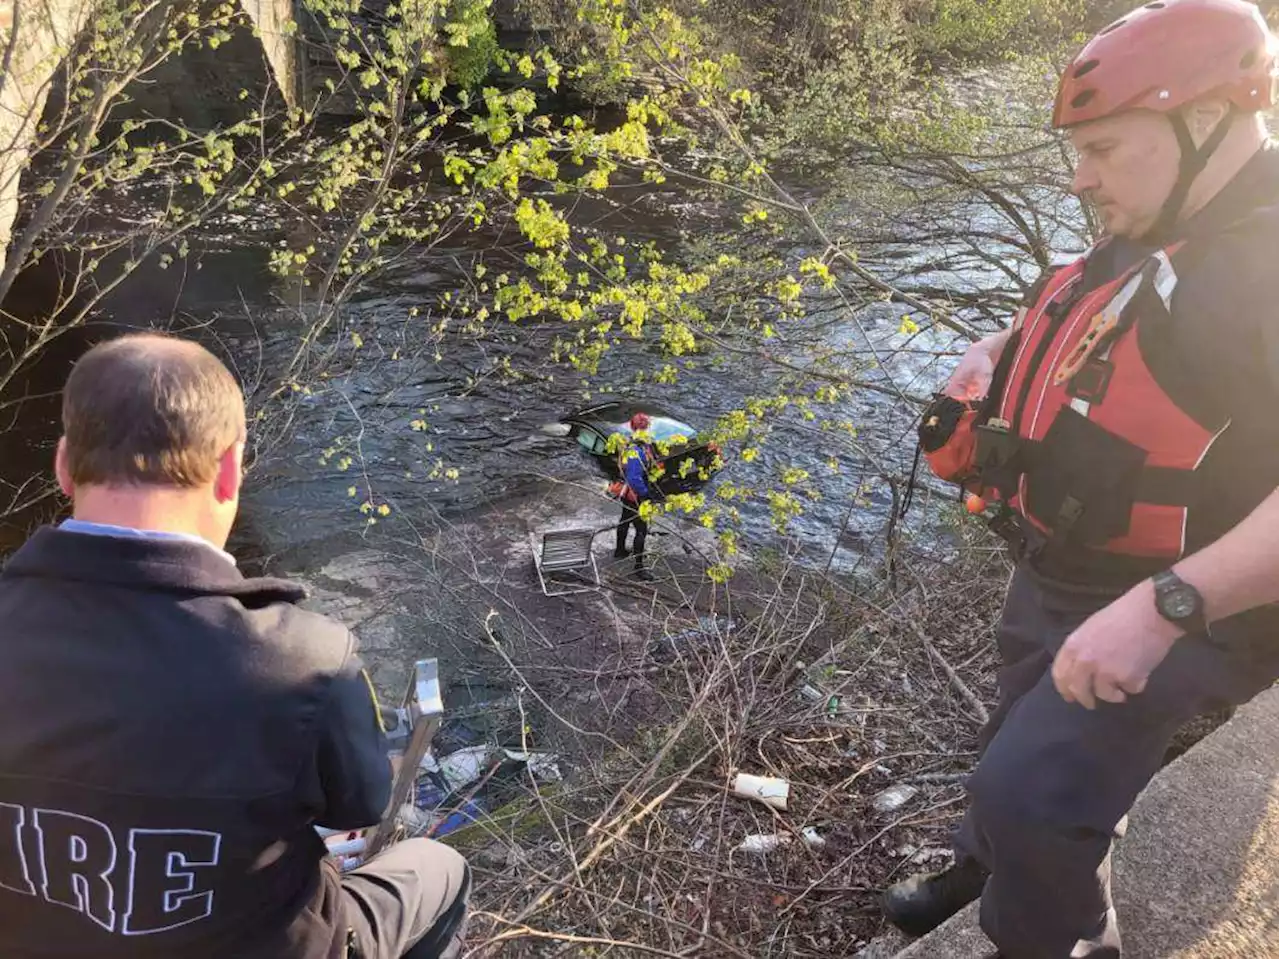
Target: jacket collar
[[149, 564], [74, 525]]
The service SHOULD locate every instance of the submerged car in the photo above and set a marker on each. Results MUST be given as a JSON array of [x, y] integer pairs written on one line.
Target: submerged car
[[685, 460]]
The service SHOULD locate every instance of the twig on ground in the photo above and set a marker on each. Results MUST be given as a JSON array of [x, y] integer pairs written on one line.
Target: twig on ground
[[520, 930], [938, 778], [613, 831], [979, 711]]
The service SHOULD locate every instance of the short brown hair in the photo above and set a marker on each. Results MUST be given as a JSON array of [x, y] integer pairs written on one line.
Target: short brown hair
[[149, 408]]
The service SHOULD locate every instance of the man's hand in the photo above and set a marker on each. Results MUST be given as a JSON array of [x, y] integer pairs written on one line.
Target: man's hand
[[972, 375], [1113, 652]]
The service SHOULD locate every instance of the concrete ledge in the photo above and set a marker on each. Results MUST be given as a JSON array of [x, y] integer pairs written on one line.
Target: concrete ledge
[[1196, 875]]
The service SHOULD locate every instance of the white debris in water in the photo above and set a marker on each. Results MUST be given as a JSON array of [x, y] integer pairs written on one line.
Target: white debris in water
[[928, 855], [811, 693]]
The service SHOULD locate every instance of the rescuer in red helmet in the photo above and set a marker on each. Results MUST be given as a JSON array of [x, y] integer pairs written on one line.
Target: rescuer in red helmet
[[1126, 424], [634, 488]]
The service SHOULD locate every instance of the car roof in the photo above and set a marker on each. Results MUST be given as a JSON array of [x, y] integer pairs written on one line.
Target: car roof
[[616, 416]]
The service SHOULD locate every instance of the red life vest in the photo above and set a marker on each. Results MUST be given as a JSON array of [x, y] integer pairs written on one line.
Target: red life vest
[[620, 488], [1097, 456]]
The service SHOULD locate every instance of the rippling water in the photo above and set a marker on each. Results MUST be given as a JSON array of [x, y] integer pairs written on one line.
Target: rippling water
[[481, 422]]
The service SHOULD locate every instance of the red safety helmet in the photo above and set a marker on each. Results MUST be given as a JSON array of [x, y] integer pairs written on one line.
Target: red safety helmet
[[1161, 57], [1166, 54], [639, 421]]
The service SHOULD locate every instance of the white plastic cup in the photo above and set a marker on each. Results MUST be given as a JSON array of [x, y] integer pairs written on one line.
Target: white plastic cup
[[768, 790]]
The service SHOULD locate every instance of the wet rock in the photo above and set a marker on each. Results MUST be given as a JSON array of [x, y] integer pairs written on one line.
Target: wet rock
[[380, 634], [369, 570]]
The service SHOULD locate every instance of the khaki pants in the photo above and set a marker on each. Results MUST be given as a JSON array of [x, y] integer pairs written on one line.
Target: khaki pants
[[409, 901]]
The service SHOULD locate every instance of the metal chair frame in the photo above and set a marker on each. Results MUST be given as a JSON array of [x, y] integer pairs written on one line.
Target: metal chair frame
[[565, 551]]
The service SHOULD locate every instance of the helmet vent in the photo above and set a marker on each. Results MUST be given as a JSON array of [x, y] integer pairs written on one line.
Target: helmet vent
[[1249, 59], [1082, 98], [1085, 68], [1153, 6], [1115, 26]]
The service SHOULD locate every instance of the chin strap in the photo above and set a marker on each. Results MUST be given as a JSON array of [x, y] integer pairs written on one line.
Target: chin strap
[[1190, 165]]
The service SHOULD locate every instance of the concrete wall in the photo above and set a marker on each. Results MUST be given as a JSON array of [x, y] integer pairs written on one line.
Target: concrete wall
[[201, 87], [35, 35], [1195, 876], [277, 32]]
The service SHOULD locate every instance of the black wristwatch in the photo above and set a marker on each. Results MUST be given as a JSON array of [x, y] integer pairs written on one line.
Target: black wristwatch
[[1179, 602]]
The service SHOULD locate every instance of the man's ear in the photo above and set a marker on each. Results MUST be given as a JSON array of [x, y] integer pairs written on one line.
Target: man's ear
[[226, 484], [62, 470], [1203, 117]]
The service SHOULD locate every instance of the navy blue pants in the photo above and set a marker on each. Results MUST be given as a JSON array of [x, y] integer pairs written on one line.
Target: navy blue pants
[[631, 517], [1055, 780]]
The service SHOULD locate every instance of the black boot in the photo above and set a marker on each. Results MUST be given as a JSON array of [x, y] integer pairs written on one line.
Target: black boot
[[621, 553], [641, 572], [922, 903]]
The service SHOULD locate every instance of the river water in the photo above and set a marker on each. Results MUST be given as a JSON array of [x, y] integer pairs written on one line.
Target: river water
[[487, 424], [403, 408], [448, 433]]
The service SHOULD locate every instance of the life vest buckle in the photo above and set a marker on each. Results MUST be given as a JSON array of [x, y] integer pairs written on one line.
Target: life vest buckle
[[1090, 383], [996, 444], [1006, 524]]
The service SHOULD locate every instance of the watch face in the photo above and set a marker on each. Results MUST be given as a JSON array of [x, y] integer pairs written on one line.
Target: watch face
[[1179, 603]]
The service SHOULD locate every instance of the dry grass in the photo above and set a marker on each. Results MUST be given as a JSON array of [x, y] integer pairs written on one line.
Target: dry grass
[[634, 855]]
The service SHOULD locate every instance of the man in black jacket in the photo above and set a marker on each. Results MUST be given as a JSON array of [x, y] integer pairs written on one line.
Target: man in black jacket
[[171, 733]]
